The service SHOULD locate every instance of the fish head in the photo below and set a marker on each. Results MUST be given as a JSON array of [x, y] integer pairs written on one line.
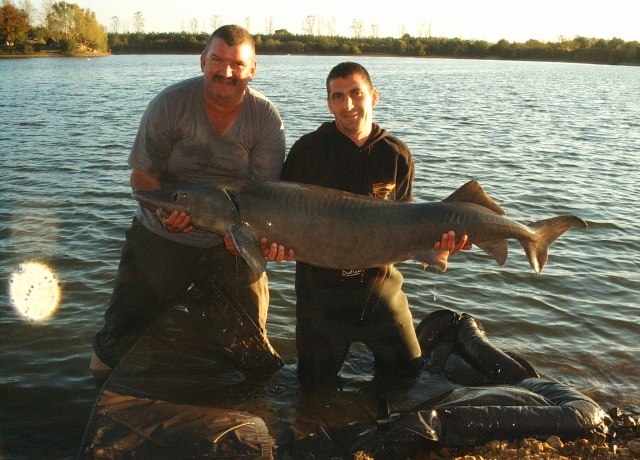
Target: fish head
[[211, 208]]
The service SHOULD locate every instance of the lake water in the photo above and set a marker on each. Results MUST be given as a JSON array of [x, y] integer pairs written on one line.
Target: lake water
[[542, 138]]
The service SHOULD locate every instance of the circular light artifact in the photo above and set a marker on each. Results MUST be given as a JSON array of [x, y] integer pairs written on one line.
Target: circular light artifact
[[34, 291]]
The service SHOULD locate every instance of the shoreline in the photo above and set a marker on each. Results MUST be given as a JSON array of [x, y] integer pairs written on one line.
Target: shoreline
[[622, 441], [55, 54], [86, 54]]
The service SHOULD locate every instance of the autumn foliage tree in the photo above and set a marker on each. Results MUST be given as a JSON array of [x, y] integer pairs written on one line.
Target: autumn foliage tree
[[73, 25], [13, 24]]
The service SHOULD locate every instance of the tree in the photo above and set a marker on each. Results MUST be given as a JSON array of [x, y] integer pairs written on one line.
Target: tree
[[13, 25], [45, 10], [308, 25], [216, 21], [65, 21], [330, 24], [425, 29], [357, 27], [400, 47], [501, 49], [138, 22], [28, 11], [375, 30], [115, 24], [72, 25], [269, 25], [93, 34]]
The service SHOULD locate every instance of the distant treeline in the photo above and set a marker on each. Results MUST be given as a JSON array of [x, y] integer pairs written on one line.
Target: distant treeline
[[578, 49]]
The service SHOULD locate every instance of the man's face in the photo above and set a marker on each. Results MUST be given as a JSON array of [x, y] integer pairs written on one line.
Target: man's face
[[227, 70], [351, 101]]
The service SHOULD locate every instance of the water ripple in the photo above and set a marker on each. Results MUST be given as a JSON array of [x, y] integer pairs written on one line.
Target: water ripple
[[542, 138]]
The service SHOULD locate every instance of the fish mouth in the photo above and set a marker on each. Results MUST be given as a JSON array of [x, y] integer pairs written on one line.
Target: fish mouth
[[159, 199]]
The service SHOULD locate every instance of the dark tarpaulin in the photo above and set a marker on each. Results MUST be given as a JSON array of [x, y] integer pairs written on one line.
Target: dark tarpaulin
[[135, 427], [203, 382]]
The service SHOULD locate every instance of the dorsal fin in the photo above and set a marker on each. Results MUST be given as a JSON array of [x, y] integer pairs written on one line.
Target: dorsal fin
[[472, 192]]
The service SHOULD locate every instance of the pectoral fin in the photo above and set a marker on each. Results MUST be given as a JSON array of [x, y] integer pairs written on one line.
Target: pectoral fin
[[245, 241], [437, 258]]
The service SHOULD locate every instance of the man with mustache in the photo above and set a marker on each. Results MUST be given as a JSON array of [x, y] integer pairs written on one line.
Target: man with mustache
[[199, 130], [337, 307]]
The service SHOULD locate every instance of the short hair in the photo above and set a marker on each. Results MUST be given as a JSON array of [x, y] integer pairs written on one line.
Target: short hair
[[233, 35], [346, 69]]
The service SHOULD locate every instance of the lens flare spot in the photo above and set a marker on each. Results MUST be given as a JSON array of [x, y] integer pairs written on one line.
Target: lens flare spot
[[34, 291]]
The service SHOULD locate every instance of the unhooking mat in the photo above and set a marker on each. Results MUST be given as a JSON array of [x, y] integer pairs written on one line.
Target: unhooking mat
[[202, 382]]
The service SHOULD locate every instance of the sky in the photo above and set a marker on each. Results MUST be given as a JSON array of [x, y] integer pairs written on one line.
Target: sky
[[491, 20]]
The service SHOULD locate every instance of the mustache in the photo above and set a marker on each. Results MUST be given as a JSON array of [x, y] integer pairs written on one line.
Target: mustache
[[226, 80]]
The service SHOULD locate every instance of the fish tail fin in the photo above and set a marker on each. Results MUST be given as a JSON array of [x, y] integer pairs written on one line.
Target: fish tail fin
[[547, 231]]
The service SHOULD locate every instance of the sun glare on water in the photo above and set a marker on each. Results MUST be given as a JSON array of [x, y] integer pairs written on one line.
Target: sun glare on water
[[34, 291]]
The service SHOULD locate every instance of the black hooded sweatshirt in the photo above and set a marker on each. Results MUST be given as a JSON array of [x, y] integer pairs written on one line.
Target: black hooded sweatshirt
[[382, 168]]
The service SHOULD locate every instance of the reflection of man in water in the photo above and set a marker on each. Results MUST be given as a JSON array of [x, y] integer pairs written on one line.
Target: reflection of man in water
[[337, 307]]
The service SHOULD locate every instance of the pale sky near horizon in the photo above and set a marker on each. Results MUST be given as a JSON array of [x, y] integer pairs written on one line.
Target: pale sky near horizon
[[491, 20]]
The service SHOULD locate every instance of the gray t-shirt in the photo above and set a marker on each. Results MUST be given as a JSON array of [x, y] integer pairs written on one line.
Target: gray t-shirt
[[176, 139]]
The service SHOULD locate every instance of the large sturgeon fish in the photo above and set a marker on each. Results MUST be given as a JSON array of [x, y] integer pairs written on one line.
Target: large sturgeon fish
[[335, 229]]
